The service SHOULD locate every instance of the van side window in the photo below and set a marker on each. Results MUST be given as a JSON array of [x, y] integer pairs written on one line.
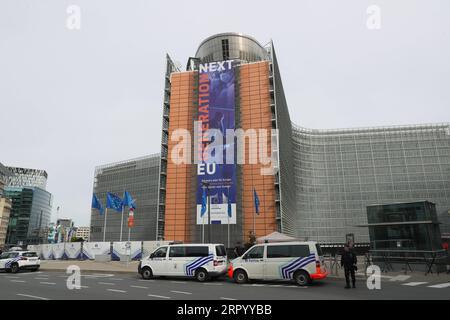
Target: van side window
[[221, 251], [255, 253], [287, 251], [176, 252], [300, 251], [160, 253], [196, 251]]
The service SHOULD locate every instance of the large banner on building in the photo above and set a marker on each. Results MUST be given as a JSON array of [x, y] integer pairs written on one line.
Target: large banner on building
[[91, 249], [216, 110]]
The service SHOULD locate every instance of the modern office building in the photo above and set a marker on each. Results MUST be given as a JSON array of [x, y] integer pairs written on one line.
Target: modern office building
[[140, 178], [341, 172], [30, 215], [5, 211], [322, 180], [5, 175], [233, 82], [23, 177], [83, 233], [325, 178]]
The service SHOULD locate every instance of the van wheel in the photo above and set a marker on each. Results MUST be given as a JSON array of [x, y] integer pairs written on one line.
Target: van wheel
[[201, 275], [302, 278], [146, 273], [15, 268], [240, 276]]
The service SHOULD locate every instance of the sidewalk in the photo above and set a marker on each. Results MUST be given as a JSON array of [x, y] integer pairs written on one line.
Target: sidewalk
[[91, 266]]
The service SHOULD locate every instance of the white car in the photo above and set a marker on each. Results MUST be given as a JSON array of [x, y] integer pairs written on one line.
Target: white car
[[202, 261], [298, 261], [13, 261]]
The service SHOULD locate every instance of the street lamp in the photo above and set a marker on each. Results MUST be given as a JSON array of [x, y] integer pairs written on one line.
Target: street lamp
[[206, 185]]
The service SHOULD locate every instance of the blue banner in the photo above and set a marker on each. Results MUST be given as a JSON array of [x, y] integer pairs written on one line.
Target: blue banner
[[216, 110]]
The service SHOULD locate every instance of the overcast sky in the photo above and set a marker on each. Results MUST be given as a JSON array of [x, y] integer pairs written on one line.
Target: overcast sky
[[74, 99]]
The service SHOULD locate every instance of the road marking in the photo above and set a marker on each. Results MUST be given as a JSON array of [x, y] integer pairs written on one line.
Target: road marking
[[400, 278], [115, 279], [181, 282], [413, 284], [181, 292], [146, 280], [29, 296], [156, 296], [212, 284], [41, 278], [12, 277], [49, 283], [224, 298], [139, 287], [21, 281], [255, 285], [84, 287], [115, 290], [107, 283], [440, 286], [275, 285]]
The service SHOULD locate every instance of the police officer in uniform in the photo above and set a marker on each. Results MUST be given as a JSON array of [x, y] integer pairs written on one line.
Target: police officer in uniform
[[348, 261]]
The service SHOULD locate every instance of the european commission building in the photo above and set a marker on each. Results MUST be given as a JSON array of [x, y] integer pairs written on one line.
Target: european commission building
[[326, 178]]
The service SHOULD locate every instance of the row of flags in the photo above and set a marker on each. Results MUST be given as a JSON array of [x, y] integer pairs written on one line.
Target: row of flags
[[116, 203]]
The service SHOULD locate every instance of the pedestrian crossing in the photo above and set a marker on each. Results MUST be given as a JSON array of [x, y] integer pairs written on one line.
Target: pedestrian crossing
[[427, 284]]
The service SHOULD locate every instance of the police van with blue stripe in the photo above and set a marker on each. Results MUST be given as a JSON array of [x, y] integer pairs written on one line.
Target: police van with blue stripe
[[201, 261], [298, 261]]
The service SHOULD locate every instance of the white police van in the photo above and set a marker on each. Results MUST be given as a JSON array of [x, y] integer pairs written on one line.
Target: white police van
[[13, 261], [202, 261], [299, 261]]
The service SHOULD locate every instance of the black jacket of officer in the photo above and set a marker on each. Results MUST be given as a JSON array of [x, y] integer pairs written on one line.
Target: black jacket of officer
[[348, 259]]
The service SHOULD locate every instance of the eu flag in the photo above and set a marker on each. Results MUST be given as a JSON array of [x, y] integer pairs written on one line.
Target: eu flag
[[96, 204], [229, 203], [202, 212], [256, 199], [114, 202], [128, 201]]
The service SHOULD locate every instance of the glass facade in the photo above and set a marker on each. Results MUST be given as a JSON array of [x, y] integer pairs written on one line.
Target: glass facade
[[341, 172], [140, 178], [30, 214], [228, 46], [404, 226]]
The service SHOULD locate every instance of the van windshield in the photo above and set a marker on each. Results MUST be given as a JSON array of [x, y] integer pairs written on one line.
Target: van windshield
[[221, 251]]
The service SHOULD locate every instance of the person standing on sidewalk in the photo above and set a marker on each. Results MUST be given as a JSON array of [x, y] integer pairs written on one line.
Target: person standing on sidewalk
[[348, 261]]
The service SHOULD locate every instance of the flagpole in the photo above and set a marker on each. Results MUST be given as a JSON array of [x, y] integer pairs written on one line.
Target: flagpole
[[121, 224], [228, 231], [104, 225], [203, 229]]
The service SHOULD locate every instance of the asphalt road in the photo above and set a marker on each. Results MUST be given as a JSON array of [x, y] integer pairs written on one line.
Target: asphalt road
[[49, 285]]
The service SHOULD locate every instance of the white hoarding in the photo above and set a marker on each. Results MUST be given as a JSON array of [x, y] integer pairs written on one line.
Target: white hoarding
[[91, 249], [132, 248], [47, 252], [58, 250], [72, 250]]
